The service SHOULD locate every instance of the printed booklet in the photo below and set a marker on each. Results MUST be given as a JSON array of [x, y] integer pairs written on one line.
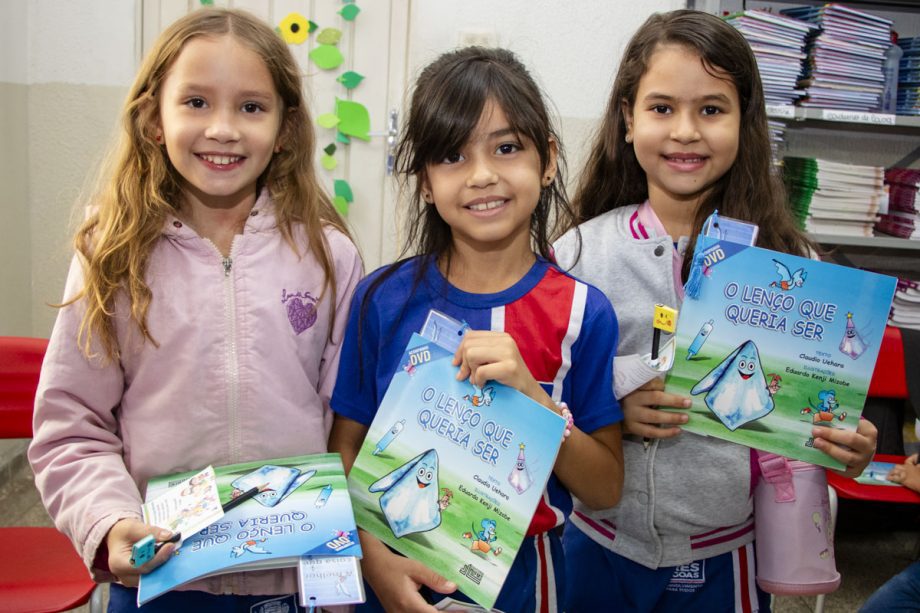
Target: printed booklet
[[876, 473], [451, 474], [302, 509], [774, 345]]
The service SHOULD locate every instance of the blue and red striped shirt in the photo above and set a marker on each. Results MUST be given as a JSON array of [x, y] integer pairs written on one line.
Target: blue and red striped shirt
[[565, 330]]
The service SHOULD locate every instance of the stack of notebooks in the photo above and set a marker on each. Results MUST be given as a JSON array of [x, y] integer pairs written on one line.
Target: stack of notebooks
[[909, 77], [845, 57], [778, 44], [903, 218], [905, 307], [835, 198]]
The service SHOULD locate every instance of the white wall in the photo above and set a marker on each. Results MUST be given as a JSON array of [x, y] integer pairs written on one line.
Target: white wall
[[66, 66], [572, 48]]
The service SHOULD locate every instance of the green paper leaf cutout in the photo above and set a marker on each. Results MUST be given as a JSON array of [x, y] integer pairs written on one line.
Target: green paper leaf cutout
[[207, 2], [329, 149], [327, 57], [312, 26], [341, 205], [350, 79], [342, 138], [327, 120], [328, 162], [354, 120], [329, 36], [349, 12], [343, 190]]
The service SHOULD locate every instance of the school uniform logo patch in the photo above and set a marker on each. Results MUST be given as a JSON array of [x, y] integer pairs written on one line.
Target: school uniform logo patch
[[687, 578], [301, 309]]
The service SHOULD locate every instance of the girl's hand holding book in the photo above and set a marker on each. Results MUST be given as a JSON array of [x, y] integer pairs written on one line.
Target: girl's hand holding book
[[642, 418], [396, 579], [854, 449], [120, 541], [494, 356]]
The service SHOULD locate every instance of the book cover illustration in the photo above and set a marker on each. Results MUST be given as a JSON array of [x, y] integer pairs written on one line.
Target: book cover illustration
[[776, 344], [876, 473], [307, 511], [450, 474]]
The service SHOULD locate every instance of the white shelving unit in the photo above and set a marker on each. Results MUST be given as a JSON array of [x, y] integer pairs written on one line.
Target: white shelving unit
[[851, 137]]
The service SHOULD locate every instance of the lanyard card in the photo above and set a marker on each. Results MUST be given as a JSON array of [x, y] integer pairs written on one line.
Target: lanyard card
[[444, 330], [731, 230]]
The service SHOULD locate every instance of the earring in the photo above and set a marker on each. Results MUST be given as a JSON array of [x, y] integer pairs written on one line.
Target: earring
[[628, 138]]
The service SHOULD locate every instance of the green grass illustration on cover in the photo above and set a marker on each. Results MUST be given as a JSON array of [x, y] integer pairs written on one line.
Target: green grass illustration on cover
[[450, 474], [770, 345], [302, 509]]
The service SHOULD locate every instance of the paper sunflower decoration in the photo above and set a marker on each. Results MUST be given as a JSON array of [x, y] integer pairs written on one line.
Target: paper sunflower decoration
[[295, 28]]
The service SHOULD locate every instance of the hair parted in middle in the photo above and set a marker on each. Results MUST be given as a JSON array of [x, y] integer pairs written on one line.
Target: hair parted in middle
[[749, 190]]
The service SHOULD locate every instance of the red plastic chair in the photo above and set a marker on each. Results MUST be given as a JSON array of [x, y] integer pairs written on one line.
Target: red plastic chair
[[889, 380], [40, 572]]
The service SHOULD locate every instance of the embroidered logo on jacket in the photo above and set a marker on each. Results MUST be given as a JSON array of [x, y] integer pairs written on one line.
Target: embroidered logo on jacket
[[301, 309]]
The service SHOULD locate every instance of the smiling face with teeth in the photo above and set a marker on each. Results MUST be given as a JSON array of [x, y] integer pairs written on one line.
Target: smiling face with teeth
[[220, 118], [684, 126], [487, 191]]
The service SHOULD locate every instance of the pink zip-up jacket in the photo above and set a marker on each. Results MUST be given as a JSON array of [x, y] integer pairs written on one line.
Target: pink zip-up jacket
[[244, 371]]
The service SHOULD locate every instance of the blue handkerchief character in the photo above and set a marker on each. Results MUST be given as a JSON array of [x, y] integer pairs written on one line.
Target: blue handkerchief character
[[410, 495], [737, 388]]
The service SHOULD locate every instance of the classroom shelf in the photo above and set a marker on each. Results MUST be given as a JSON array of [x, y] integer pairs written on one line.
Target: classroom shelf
[[909, 5], [833, 116], [881, 241]]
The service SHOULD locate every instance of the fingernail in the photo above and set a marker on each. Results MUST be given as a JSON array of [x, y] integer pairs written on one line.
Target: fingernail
[[163, 535], [687, 403], [684, 419]]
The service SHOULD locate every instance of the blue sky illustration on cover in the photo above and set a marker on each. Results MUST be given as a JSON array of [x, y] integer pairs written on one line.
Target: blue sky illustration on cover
[[777, 344]]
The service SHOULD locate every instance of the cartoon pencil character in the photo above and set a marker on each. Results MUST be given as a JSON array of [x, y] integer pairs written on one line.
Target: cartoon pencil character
[[323, 496], [788, 279], [825, 410], [410, 495], [852, 343], [391, 434], [699, 339], [520, 478], [737, 389], [483, 399], [482, 540]]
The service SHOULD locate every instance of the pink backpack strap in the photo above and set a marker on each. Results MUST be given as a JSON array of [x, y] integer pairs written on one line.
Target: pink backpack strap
[[776, 471]]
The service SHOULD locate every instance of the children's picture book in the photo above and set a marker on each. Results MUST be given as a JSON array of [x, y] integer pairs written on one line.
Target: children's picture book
[[450, 474], [771, 345], [876, 473], [302, 509]]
